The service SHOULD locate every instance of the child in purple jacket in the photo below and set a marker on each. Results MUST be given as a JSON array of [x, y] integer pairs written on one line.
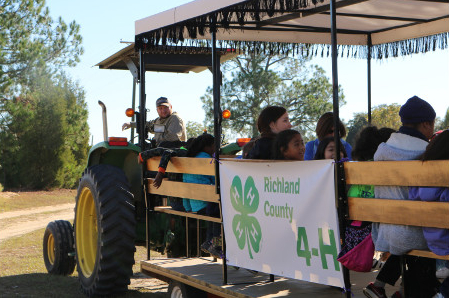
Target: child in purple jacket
[[437, 239]]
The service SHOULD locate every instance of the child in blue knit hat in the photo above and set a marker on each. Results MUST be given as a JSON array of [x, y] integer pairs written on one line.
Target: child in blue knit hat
[[418, 121]]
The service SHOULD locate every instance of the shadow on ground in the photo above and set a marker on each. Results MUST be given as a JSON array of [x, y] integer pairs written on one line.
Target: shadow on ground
[[47, 285]]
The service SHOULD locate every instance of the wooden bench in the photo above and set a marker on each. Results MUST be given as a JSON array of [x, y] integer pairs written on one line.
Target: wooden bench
[[404, 212]]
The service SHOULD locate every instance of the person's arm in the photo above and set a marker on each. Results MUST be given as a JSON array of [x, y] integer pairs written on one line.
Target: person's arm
[[150, 125], [147, 154], [348, 149], [129, 125], [166, 155], [308, 155], [165, 158]]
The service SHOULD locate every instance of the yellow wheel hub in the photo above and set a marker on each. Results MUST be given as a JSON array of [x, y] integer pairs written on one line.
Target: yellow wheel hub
[[86, 232], [51, 249]]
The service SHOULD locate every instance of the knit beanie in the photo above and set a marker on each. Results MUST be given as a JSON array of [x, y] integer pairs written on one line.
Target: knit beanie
[[416, 110]]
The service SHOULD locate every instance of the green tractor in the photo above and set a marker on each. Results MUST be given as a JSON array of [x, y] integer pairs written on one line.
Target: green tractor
[[111, 211]]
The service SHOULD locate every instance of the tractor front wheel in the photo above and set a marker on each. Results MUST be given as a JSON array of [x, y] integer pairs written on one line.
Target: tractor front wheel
[[58, 248], [104, 231]]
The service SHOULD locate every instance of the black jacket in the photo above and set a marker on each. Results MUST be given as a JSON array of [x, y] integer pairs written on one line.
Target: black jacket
[[262, 148]]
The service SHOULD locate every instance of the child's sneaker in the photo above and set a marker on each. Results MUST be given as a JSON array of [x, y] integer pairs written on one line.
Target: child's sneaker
[[442, 272], [216, 251], [206, 245], [213, 250], [372, 291]]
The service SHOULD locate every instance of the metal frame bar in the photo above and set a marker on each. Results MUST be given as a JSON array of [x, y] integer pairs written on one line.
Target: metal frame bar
[[308, 12], [369, 77], [340, 182], [142, 122], [296, 28], [217, 133]]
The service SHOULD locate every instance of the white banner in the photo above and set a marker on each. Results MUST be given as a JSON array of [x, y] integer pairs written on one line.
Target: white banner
[[281, 218]]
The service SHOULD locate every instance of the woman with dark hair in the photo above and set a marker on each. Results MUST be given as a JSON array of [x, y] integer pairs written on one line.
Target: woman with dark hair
[[325, 128], [272, 120]]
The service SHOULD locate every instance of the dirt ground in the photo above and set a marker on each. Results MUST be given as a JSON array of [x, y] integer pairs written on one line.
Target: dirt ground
[[17, 223]]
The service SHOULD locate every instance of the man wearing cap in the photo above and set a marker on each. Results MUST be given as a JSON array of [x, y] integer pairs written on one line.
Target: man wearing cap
[[418, 120], [168, 127]]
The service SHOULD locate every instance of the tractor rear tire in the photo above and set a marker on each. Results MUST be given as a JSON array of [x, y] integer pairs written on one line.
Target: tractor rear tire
[[105, 231], [58, 246]]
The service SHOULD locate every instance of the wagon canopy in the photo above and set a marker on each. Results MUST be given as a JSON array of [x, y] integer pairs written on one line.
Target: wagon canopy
[[389, 27], [165, 59]]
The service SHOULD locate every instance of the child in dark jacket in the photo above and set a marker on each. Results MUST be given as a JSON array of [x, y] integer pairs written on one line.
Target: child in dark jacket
[[203, 147]]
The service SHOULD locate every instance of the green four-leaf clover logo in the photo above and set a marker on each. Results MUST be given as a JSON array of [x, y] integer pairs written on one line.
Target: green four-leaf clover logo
[[246, 228]]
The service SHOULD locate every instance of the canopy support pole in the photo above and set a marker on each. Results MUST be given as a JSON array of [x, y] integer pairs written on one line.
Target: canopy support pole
[[142, 102], [217, 133], [335, 79], [340, 183], [369, 77], [134, 108], [141, 122]]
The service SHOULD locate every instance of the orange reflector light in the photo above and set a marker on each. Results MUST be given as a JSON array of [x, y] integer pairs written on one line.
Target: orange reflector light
[[226, 114], [242, 141], [115, 141], [130, 112]]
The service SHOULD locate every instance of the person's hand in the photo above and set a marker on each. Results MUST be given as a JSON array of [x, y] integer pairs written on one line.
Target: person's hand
[[126, 126], [158, 180]]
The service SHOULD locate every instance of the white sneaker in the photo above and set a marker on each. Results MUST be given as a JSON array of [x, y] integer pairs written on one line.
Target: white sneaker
[[442, 273]]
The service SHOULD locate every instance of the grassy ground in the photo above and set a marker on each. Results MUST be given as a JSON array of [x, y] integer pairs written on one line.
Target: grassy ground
[[11, 201], [22, 268], [23, 273]]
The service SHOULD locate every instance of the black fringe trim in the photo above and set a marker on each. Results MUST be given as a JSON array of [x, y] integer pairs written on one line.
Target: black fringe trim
[[257, 9], [383, 51], [185, 34]]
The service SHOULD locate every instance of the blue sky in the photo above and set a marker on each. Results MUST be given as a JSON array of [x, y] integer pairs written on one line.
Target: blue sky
[[104, 24]]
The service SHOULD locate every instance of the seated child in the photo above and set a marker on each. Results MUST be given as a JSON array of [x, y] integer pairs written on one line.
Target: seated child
[[203, 147], [326, 149], [365, 146], [437, 239], [289, 145]]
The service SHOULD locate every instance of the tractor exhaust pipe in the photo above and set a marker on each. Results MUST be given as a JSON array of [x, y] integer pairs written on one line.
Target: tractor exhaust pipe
[[105, 121]]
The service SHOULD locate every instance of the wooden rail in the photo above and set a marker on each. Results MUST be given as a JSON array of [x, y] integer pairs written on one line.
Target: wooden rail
[[400, 173], [202, 192], [186, 165], [185, 190], [169, 210]]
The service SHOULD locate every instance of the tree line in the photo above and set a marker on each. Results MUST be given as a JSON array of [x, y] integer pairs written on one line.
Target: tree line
[[43, 114]]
